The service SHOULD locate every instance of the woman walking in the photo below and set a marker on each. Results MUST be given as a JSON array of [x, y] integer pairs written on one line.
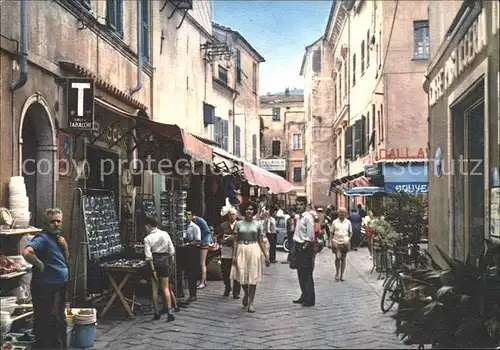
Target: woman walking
[[247, 254]]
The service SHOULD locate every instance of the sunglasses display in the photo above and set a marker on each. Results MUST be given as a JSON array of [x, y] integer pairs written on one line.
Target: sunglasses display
[[102, 227], [173, 215]]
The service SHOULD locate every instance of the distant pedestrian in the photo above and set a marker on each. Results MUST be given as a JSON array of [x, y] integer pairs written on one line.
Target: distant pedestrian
[[361, 211], [355, 220], [272, 235], [341, 232]]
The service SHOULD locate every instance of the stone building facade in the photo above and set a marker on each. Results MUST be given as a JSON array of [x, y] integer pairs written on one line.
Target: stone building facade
[[379, 51], [284, 139]]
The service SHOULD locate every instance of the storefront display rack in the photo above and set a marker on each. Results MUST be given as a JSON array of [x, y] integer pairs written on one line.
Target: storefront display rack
[[173, 214], [144, 206]]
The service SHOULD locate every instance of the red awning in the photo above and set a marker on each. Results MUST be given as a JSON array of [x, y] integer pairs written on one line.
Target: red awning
[[191, 145], [259, 177]]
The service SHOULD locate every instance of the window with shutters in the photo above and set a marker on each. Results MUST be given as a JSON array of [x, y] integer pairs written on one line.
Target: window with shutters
[[225, 135], [238, 66], [114, 16], [297, 174], [362, 57], [379, 126], [368, 48], [362, 131], [254, 78], [367, 133], [421, 40], [348, 143], [297, 141], [276, 114], [316, 61], [276, 148], [373, 135], [217, 131], [237, 142], [357, 139], [381, 132], [340, 87], [353, 69], [222, 75], [346, 80], [145, 29], [254, 149]]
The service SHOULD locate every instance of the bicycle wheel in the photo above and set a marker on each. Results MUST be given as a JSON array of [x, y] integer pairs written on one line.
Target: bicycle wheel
[[286, 245], [392, 291]]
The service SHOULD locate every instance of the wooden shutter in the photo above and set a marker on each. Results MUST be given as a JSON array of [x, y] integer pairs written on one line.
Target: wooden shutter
[[357, 139], [348, 143], [363, 136], [225, 131], [217, 130]]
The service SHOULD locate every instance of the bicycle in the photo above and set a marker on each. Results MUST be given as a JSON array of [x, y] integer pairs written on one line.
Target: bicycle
[[402, 261]]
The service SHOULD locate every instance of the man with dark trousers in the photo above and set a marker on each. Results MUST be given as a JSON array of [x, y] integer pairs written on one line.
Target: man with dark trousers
[[189, 258], [304, 256]]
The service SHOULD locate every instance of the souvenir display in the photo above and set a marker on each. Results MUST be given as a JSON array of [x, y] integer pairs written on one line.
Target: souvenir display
[[101, 226], [173, 214], [145, 206], [125, 263]]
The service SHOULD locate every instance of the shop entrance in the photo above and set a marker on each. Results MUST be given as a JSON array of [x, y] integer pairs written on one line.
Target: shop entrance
[[38, 155], [104, 171], [474, 118]]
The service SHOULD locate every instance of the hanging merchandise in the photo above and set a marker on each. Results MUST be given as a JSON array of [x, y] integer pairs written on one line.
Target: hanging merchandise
[[144, 207], [180, 213]]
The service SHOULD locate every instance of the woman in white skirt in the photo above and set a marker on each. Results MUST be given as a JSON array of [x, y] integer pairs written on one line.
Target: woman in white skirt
[[248, 250]]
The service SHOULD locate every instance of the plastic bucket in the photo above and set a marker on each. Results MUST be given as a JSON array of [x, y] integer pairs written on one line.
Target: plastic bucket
[[83, 336], [69, 334]]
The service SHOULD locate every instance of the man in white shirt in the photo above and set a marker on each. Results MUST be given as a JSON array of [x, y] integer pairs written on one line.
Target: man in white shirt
[[191, 252], [341, 232], [272, 235], [158, 248], [304, 255]]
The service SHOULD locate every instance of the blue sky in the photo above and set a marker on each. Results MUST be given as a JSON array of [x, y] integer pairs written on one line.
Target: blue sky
[[280, 30]]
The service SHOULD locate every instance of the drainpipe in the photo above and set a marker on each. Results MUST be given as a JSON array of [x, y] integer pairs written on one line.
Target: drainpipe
[[23, 51], [139, 48]]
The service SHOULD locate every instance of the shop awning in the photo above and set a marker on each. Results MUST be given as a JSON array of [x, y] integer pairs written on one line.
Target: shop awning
[[257, 176], [192, 146], [363, 191]]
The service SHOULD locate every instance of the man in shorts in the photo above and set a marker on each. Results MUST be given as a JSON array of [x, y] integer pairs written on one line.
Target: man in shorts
[[341, 232]]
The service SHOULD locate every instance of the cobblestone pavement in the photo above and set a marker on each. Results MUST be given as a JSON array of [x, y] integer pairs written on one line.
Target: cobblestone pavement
[[347, 315]]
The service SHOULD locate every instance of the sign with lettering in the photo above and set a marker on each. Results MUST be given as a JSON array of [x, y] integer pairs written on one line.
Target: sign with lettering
[[373, 170], [273, 164], [80, 103], [406, 187], [471, 44], [401, 153]]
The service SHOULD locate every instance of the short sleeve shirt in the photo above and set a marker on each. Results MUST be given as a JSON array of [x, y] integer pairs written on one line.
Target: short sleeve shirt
[[249, 230], [206, 233], [48, 252]]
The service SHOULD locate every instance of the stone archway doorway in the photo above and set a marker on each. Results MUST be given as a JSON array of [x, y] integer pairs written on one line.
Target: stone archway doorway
[[38, 149]]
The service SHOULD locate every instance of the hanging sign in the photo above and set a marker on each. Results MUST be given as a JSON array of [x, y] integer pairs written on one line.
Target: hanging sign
[[80, 103]]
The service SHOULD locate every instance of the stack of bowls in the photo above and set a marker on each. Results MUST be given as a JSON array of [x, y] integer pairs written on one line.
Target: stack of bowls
[[19, 202], [5, 323], [8, 304]]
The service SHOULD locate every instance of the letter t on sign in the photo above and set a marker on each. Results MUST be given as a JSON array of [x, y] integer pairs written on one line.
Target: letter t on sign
[[80, 87]]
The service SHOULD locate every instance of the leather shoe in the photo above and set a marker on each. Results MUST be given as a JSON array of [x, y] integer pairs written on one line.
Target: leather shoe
[[307, 304], [298, 301]]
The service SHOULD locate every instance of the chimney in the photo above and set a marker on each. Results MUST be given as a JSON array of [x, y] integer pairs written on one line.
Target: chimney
[[287, 91]]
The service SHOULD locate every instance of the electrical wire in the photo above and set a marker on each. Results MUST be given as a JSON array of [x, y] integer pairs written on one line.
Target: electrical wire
[[384, 61]]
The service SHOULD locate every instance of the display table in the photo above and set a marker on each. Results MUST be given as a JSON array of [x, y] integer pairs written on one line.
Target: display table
[[123, 269]]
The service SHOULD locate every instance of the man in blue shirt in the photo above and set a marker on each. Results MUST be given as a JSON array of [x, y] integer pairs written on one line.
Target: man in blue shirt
[[206, 241], [48, 253]]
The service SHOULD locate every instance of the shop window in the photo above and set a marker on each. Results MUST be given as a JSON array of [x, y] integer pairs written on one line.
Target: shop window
[[276, 114], [145, 29], [237, 142], [114, 16], [276, 148], [362, 57], [254, 149], [353, 69], [297, 141], [421, 40], [297, 174], [222, 75]]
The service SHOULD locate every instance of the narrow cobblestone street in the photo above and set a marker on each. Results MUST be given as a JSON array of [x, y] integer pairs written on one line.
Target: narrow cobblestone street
[[346, 315]]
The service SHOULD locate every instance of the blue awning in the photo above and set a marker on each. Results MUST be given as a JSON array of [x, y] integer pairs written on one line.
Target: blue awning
[[363, 191]]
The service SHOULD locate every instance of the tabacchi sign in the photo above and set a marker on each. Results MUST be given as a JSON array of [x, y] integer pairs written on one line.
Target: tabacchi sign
[[401, 153], [80, 103]]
